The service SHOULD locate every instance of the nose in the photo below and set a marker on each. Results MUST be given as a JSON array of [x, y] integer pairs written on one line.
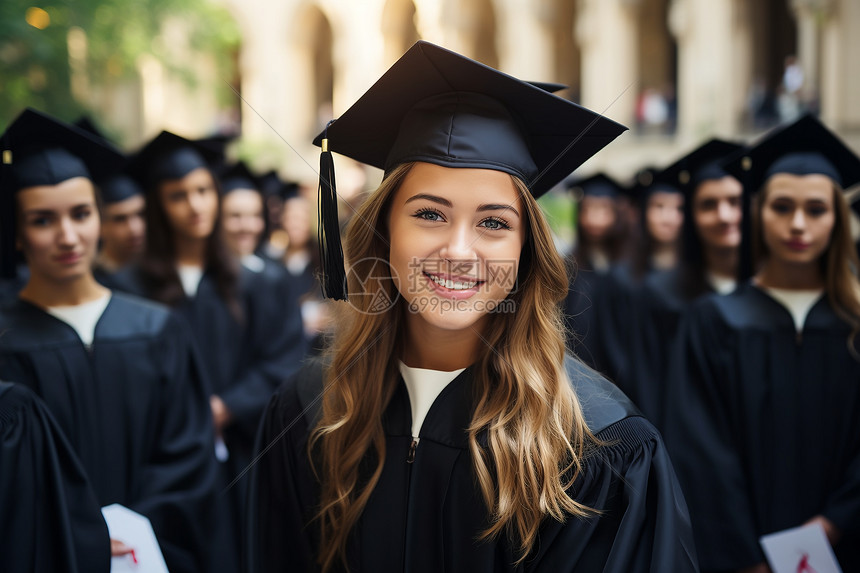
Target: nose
[[460, 243], [137, 226], [724, 211], [798, 221], [67, 235]]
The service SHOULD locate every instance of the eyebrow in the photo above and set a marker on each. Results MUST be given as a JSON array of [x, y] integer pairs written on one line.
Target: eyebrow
[[43, 212], [446, 203]]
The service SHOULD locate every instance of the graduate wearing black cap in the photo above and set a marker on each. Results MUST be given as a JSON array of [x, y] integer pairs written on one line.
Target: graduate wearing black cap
[[123, 233], [118, 373], [646, 322], [762, 409], [248, 332], [51, 519], [600, 234], [446, 430]]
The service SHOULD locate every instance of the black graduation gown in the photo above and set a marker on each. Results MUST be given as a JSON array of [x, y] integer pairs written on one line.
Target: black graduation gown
[[425, 516], [245, 361], [134, 408], [580, 316], [657, 309], [51, 520], [763, 425]]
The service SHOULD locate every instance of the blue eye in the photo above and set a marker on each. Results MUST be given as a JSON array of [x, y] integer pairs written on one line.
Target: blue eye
[[429, 215], [495, 224]]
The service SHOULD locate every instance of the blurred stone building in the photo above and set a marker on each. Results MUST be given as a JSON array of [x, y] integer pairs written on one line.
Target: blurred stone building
[[674, 71]]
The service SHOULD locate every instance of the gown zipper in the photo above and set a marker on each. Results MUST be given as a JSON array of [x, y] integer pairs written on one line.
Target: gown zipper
[[410, 457]]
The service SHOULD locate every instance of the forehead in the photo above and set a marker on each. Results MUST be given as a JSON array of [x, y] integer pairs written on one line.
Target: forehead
[[131, 204], [199, 176], [726, 186], [463, 187], [242, 199], [814, 185], [68, 193]]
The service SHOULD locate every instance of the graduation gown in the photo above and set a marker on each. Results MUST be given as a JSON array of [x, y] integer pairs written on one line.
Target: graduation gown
[[425, 515], [134, 408], [245, 359], [655, 313], [51, 520], [580, 315], [763, 425]]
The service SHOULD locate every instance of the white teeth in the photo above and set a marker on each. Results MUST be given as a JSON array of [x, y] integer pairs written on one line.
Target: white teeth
[[453, 285]]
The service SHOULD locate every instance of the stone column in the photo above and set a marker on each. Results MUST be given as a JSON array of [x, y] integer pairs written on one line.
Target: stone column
[[525, 40], [606, 32], [706, 100]]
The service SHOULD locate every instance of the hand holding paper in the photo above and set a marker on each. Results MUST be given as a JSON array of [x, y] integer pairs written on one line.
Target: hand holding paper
[[802, 549], [135, 531]]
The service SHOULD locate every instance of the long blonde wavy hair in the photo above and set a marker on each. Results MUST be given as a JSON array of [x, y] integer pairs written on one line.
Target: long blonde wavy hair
[[839, 263], [536, 433]]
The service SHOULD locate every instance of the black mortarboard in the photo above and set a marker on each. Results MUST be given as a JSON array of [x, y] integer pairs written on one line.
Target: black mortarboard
[[169, 156], [805, 147], [86, 123], [270, 183], [118, 188], [551, 87], [699, 165], [436, 106], [217, 145], [238, 176], [597, 185], [40, 150]]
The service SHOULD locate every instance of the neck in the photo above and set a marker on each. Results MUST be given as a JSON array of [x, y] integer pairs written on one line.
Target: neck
[[436, 349], [779, 274], [723, 262], [44, 292], [665, 256], [191, 252], [110, 260]]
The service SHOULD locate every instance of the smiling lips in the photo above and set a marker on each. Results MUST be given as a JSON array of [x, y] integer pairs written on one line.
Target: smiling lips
[[453, 287]]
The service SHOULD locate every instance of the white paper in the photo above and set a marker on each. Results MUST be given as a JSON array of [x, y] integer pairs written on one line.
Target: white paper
[[800, 550], [134, 530]]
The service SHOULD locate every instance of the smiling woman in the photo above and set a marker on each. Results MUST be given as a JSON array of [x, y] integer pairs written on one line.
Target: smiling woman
[[441, 434]]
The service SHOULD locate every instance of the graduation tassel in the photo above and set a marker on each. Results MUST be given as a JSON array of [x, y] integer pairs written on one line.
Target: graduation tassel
[[331, 251]]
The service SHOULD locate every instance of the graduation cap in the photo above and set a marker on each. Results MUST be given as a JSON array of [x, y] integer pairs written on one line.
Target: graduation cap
[[597, 185], [238, 176], [805, 147], [86, 123], [691, 170], [551, 87], [217, 144], [118, 188], [169, 156], [436, 106], [40, 150]]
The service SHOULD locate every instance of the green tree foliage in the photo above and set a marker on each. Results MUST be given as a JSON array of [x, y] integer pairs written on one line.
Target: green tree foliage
[[35, 64]]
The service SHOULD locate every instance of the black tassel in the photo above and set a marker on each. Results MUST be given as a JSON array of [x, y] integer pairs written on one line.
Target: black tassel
[[331, 251]]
